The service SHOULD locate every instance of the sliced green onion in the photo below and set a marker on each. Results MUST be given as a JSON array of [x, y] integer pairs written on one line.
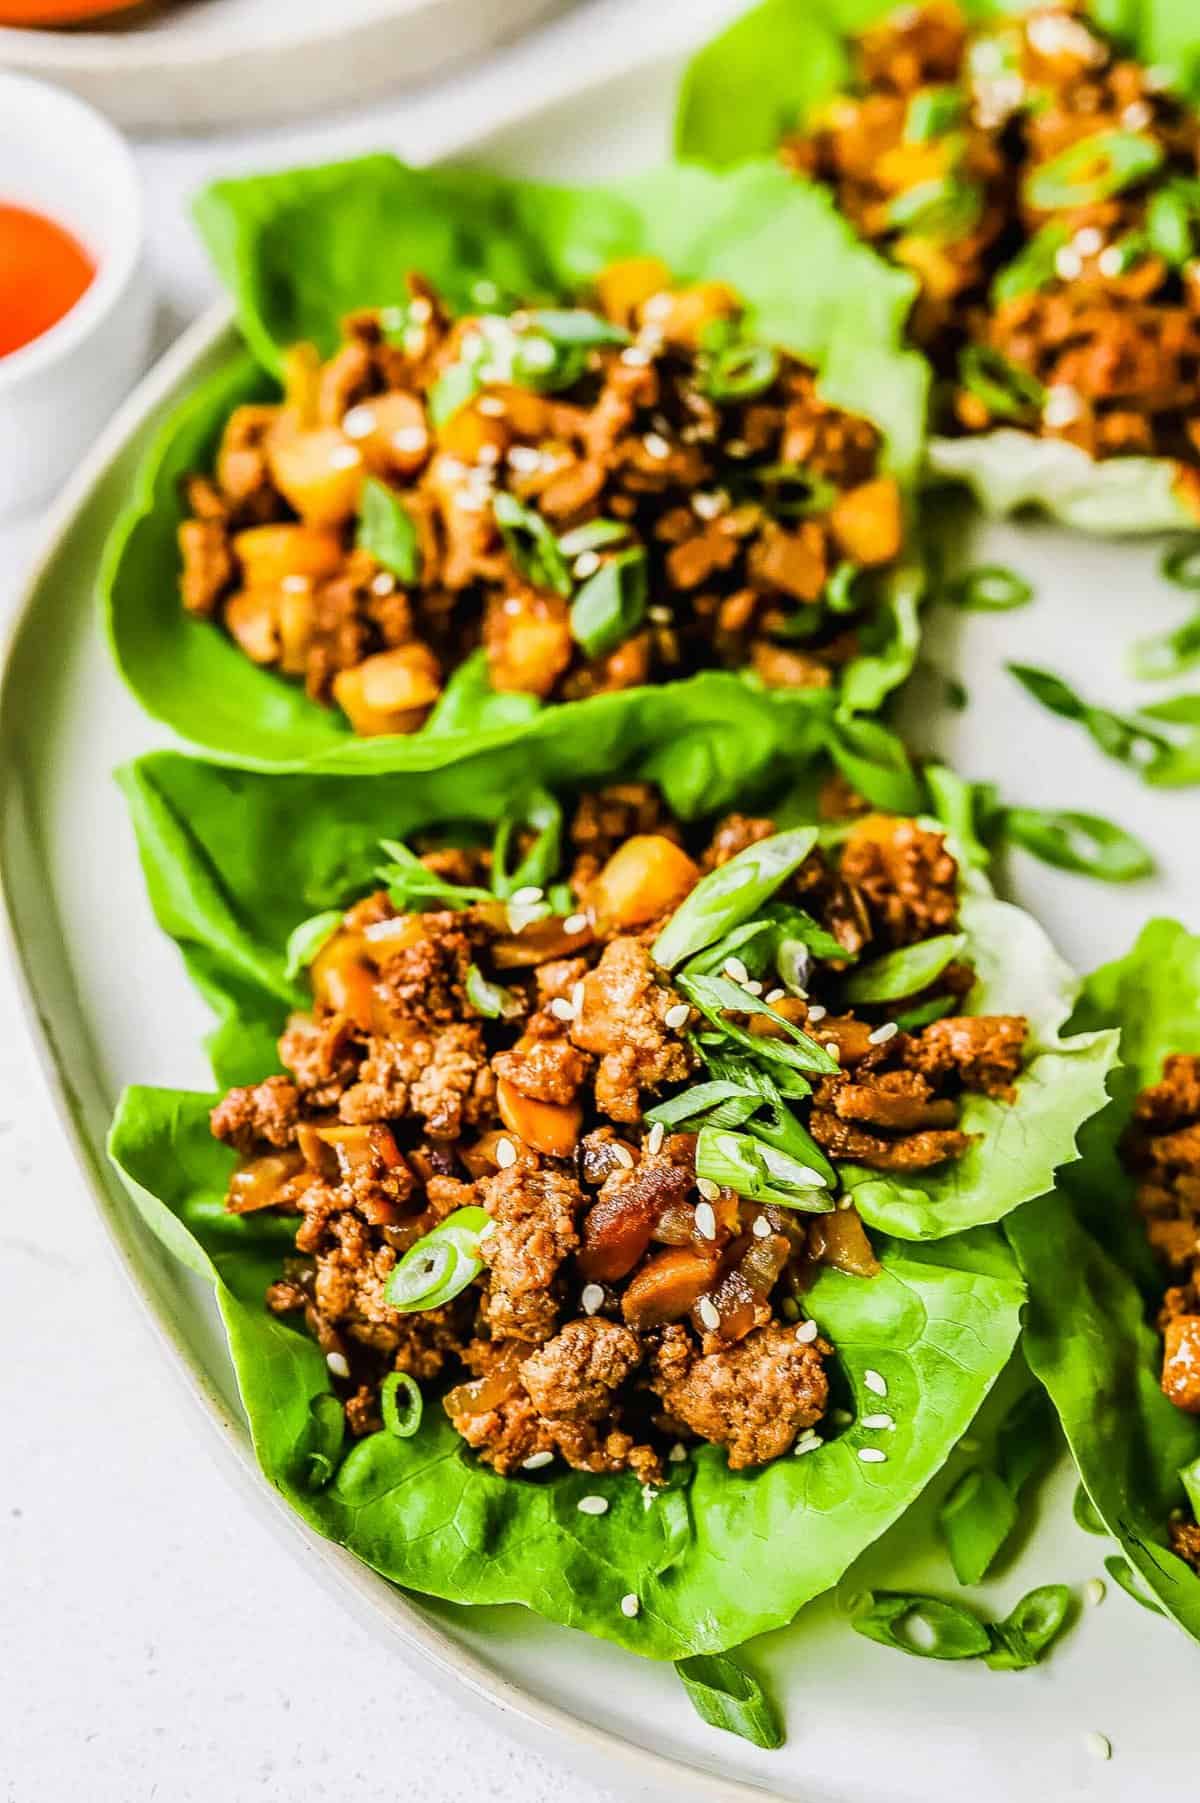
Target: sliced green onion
[[611, 605], [905, 971], [716, 996], [1169, 219], [1092, 169], [932, 112], [454, 389], [1019, 1641], [924, 1626], [1165, 654], [539, 866], [409, 881], [874, 761], [740, 371], [575, 326], [796, 928], [725, 1695], [492, 1000], [1086, 843], [387, 533], [1121, 1572], [401, 1404], [946, 207], [531, 545], [914, 1018], [956, 804], [988, 589], [761, 1173], [839, 595], [975, 1520], [730, 894], [441, 1264], [694, 1101], [793, 491], [1035, 267], [1181, 565], [307, 939], [1006, 390], [753, 938]]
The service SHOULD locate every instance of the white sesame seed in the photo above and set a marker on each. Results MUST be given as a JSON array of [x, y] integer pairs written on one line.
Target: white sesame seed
[[593, 1505], [526, 896], [592, 1298], [345, 457], [630, 1605], [488, 453], [506, 1153], [383, 584], [1063, 405], [491, 406], [656, 446], [808, 1442], [1098, 1745], [661, 616], [655, 1137], [774, 995], [469, 500], [1111, 261], [677, 1016], [1088, 240], [623, 1155], [880, 1423], [752, 986], [816, 1013], [806, 1333], [575, 923], [846, 1202], [881, 1035], [831, 1046], [762, 1228], [1068, 264], [736, 970], [414, 438], [737, 447], [359, 422], [1095, 1590], [635, 357], [300, 585], [585, 565], [678, 1453], [512, 605], [338, 1363], [525, 459], [562, 1009], [706, 1221], [577, 997], [536, 1461], [708, 1189], [1137, 115], [707, 506], [872, 1455], [709, 1314], [876, 1384]]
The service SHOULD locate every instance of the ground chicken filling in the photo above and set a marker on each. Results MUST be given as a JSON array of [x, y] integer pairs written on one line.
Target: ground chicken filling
[[1044, 189], [1162, 1150], [470, 1108], [619, 493]]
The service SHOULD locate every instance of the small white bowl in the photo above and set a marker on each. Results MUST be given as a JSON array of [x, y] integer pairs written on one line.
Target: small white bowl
[[60, 158]]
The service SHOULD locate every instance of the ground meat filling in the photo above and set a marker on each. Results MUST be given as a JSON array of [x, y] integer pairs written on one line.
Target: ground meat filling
[[1039, 184], [734, 508], [497, 1058], [1162, 1150]]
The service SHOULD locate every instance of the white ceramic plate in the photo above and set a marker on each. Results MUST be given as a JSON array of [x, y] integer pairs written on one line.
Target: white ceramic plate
[[195, 63], [111, 1005]]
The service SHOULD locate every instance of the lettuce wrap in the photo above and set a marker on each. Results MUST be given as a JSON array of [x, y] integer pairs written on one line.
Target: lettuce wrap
[[765, 75], [234, 860], [299, 250], [1094, 1288]]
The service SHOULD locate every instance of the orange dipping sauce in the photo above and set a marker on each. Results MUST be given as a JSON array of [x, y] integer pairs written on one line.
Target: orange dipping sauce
[[44, 270]]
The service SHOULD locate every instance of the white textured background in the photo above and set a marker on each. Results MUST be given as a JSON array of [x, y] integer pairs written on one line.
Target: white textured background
[[156, 1643]]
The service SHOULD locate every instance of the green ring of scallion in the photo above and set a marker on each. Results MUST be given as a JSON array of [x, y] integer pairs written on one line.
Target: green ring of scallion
[[1092, 169], [401, 1419], [741, 371], [991, 588], [1182, 564]]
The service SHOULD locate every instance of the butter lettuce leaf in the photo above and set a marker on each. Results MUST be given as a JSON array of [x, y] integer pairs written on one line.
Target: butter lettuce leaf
[[715, 1558], [1007, 470]]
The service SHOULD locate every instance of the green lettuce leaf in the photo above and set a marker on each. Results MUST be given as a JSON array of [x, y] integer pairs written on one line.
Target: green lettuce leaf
[[1094, 1285], [300, 249], [717, 1557], [1007, 470], [1021, 1143]]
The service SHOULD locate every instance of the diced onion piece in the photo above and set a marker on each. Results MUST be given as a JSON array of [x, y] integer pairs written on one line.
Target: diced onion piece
[[268, 554], [342, 981], [318, 472], [257, 1183], [840, 1239], [549, 1127]]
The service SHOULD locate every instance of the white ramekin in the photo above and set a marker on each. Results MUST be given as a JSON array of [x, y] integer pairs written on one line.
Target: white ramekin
[[60, 158]]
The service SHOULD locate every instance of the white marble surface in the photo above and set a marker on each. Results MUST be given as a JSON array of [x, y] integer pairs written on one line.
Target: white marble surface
[[156, 1644]]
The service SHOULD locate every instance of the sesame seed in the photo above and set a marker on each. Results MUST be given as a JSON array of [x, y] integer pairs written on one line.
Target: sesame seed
[[1068, 264], [708, 1189], [359, 422], [881, 1035], [1098, 1745], [735, 969], [678, 1453], [845, 1202], [1088, 241], [491, 406], [1062, 405], [659, 305], [506, 1153], [525, 459], [1095, 1590], [707, 506], [345, 457], [709, 1314], [656, 446], [469, 500], [752, 986], [585, 565], [338, 1363], [816, 1013], [1111, 261], [806, 1333], [623, 1155], [593, 1505], [1137, 115], [872, 1455], [512, 605], [677, 1016], [575, 923], [774, 995], [630, 1605], [383, 584], [761, 1229], [526, 896], [831, 1046], [879, 1423], [737, 447], [661, 616], [592, 1298], [635, 357], [562, 1009], [300, 585], [808, 1442], [536, 1461], [414, 438], [876, 1384], [420, 308], [655, 1137], [706, 1221], [488, 453]]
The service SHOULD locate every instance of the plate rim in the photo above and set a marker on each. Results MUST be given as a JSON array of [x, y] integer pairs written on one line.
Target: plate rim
[[401, 1619]]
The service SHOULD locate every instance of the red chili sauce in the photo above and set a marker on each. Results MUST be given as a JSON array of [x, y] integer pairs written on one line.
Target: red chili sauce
[[43, 272]]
